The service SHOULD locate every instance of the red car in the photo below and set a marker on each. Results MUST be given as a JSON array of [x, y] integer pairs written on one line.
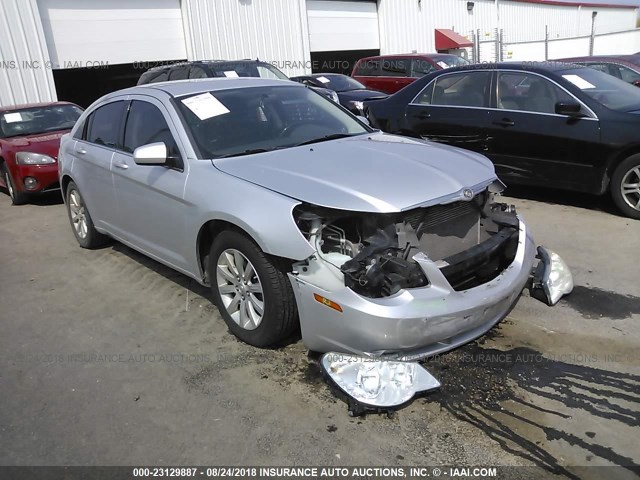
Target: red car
[[390, 73], [29, 141]]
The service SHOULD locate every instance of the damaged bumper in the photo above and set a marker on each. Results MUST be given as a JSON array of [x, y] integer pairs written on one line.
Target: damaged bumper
[[415, 322]]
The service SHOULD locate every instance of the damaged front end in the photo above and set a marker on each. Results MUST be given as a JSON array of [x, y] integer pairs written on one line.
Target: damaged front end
[[384, 288], [372, 254]]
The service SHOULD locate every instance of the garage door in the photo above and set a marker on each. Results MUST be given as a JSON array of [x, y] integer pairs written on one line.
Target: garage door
[[79, 33], [342, 25]]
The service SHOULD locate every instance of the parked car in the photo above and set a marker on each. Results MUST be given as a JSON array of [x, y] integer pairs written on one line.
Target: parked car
[[221, 69], [390, 73], [29, 141], [291, 209], [624, 67], [351, 92], [549, 124]]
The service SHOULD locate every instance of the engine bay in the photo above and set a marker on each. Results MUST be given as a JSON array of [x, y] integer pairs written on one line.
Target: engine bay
[[371, 253]]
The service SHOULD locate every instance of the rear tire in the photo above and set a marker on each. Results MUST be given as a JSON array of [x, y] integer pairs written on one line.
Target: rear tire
[[17, 198], [80, 219], [625, 186], [251, 290]]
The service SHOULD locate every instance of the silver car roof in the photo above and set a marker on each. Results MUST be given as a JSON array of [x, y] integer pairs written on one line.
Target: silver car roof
[[179, 88]]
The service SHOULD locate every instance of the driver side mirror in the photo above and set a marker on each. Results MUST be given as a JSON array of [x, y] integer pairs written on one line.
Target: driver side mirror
[[636, 83], [571, 109], [151, 154]]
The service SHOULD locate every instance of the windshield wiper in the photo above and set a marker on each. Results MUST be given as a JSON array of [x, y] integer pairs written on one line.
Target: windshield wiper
[[251, 151], [333, 136]]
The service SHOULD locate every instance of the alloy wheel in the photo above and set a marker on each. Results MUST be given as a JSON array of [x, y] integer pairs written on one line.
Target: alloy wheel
[[78, 214], [240, 289], [630, 187]]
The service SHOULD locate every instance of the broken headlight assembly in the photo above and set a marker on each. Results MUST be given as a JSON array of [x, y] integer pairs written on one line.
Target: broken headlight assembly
[[374, 385]]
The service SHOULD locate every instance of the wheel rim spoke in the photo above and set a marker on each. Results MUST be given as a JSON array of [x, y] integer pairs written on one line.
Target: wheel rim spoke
[[240, 289], [630, 188]]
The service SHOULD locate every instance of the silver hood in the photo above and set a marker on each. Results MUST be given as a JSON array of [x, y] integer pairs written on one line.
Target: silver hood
[[368, 173]]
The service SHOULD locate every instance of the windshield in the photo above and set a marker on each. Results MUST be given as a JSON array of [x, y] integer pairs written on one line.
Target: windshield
[[448, 61], [339, 83], [249, 69], [251, 120], [606, 89], [31, 121]]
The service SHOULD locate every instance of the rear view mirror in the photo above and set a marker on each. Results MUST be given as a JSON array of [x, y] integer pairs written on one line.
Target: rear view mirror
[[151, 154], [571, 109]]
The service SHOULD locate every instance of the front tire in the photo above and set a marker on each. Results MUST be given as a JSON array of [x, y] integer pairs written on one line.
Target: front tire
[[80, 219], [251, 290], [625, 186], [17, 198]]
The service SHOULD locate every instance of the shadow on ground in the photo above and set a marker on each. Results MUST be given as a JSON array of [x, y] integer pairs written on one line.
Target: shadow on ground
[[484, 387]]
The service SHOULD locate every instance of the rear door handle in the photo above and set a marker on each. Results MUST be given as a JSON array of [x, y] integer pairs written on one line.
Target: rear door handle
[[422, 116], [120, 164], [505, 122]]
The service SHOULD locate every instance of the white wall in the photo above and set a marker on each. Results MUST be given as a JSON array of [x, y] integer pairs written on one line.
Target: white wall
[[113, 31], [623, 43], [408, 25], [344, 25], [22, 40], [271, 30]]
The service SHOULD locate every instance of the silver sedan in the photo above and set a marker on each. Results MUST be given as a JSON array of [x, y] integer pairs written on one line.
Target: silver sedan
[[299, 215]]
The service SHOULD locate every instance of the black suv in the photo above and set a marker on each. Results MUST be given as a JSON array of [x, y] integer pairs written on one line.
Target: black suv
[[220, 68]]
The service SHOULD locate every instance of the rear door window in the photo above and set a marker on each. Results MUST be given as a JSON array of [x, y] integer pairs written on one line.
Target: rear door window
[[197, 72], [368, 68], [104, 124], [421, 67], [395, 67], [465, 89], [179, 73]]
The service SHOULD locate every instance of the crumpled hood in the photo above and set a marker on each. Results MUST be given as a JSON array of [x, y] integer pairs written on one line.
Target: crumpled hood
[[368, 173]]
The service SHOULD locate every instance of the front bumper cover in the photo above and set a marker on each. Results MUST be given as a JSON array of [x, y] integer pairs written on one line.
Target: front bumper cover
[[415, 323]]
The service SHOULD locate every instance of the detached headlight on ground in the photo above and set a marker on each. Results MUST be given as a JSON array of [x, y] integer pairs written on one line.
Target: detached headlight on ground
[[376, 385], [552, 276], [29, 158]]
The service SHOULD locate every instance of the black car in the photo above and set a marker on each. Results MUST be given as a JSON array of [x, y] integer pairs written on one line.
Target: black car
[[552, 124], [351, 92], [220, 68]]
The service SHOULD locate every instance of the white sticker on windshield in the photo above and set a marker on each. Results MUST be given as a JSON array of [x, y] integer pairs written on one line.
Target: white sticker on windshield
[[322, 79], [12, 117], [578, 81], [442, 64], [231, 74], [205, 106]]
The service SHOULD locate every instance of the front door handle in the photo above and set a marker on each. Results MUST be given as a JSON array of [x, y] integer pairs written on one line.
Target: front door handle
[[120, 164], [422, 116], [81, 151], [505, 122]]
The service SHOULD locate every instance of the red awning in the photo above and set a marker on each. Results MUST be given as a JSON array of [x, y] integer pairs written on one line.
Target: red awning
[[447, 39]]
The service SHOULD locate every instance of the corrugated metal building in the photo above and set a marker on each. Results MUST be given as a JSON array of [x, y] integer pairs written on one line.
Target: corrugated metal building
[[78, 50]]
